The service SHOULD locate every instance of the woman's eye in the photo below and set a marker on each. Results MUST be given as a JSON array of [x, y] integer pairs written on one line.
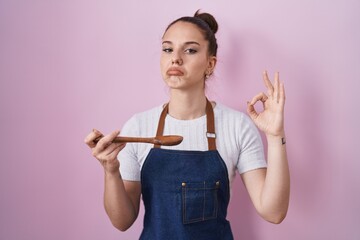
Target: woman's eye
[[167, 50], [190, 50]]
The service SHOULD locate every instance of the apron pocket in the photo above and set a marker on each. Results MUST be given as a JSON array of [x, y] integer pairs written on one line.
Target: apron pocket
[[199, 201]]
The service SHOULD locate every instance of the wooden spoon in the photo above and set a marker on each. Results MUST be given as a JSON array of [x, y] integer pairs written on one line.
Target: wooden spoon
[[167, 140]]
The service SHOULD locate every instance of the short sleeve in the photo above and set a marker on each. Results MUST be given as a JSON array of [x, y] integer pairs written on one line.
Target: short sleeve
[[129, 164], [252, 151]]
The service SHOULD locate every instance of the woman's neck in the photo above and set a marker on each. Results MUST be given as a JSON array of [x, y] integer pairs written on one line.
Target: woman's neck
[[187, 106]]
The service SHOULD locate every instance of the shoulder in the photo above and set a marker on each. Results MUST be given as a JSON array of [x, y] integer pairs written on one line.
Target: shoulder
[[230, 115], [234, 124]]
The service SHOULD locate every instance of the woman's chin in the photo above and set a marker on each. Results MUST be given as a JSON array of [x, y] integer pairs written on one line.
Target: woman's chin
[[174, 82]]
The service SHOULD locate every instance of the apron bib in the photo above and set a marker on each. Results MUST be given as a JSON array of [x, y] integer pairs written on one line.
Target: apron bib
[[185, 193]]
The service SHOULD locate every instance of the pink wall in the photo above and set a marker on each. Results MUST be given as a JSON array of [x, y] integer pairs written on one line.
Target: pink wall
[[69, 66]]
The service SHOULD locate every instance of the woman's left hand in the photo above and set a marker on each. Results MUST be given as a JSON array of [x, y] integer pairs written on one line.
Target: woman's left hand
[[271, 119]]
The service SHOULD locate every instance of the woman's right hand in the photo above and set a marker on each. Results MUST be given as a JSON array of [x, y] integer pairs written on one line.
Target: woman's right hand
[[105, 150]]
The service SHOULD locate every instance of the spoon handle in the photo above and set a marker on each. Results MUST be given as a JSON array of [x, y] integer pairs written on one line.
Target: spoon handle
[[135, 139], [132, 139]]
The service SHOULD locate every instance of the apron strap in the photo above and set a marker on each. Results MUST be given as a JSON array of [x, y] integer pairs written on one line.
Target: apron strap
[[210, 123]]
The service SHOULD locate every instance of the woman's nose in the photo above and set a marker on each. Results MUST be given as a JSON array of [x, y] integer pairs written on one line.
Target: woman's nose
[[177, 61], [176, 58]]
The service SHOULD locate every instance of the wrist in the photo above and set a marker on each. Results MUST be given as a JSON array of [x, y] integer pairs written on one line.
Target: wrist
[[112, 174], [276, 139]]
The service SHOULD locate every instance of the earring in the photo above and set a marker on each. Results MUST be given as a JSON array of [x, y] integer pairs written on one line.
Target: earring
[[207, 75]]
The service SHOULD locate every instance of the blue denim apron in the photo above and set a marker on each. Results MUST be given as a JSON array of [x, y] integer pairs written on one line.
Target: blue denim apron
[[185, 193]]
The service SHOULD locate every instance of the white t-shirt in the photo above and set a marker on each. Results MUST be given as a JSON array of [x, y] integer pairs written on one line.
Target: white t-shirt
[[237, 140]]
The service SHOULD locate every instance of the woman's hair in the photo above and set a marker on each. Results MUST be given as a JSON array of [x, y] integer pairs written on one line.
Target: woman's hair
[[208, 26]]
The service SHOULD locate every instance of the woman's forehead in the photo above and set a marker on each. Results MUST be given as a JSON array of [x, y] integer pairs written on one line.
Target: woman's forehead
[[183, 31]]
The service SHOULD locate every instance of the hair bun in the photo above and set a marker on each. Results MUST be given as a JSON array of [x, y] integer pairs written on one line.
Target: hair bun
[[209, 19]]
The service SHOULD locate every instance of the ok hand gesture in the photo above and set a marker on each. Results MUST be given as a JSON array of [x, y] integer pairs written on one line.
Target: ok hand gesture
[[271, 119]]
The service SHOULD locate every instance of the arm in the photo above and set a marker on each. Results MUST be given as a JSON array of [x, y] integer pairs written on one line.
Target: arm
[[121, 198], [269, 189]]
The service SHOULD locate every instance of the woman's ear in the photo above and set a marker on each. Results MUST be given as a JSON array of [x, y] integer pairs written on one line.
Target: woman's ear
[[212, 64]]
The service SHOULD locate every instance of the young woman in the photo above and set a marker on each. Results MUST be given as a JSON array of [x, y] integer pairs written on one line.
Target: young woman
[[186, 188]]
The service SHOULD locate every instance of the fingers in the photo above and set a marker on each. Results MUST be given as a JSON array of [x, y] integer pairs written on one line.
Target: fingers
[[251, 109], [110, 153], [268, 83], [105, 150], [274, 91], [282, 94], [105, 142], [259, 97], [112, 147], [89, 140], [276, 87], [116, 150]]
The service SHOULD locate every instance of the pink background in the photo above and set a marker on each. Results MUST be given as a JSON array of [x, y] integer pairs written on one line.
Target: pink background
[[69, 66]]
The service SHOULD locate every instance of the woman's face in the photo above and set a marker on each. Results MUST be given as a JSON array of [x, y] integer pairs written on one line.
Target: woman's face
[[184, 59]]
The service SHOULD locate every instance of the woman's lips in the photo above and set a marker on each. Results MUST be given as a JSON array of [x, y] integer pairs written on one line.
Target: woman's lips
[[174, 72]]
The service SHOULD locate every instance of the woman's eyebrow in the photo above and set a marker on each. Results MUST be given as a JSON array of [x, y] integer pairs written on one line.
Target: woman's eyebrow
[[186, 43], [192, 42]]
